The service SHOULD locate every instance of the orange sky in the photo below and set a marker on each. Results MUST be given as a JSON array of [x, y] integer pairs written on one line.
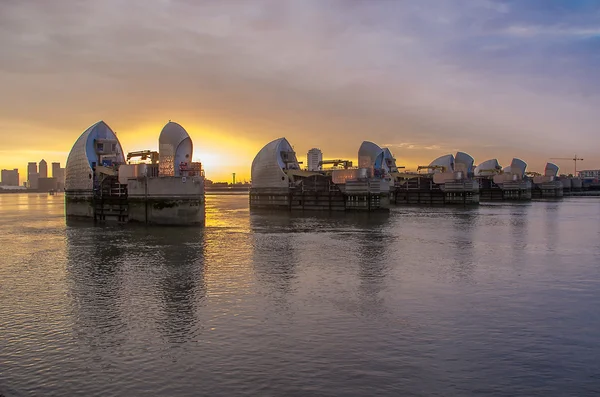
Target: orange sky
[[238, 74]]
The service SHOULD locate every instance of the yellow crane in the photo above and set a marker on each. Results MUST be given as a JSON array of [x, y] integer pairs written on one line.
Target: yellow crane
[[144, 155], [492, 170], [346, 163], [575, 159], [431, 167]]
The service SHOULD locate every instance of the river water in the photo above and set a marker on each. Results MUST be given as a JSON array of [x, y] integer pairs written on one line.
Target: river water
[[501, 300]]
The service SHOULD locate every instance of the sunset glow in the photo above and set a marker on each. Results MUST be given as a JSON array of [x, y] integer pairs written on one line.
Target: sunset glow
[[497, 79]]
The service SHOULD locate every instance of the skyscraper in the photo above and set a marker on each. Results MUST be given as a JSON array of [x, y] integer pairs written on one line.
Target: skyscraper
[[31, 170], [55, 170], [34, 181], [314, 157], [43, 171], [60, 179], [10, 177]]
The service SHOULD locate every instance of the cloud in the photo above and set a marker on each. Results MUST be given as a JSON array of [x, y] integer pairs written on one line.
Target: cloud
[[533, 31], [521, 75], [412, 146]]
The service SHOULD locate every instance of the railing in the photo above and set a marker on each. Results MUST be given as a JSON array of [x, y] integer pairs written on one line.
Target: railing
[[152, 170]]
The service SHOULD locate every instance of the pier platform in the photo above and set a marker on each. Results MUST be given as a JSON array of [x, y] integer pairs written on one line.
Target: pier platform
[[319, 193], [507, 191], [423, 190]]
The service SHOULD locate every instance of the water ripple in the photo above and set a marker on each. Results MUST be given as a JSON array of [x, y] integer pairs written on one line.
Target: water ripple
[[497, 300]]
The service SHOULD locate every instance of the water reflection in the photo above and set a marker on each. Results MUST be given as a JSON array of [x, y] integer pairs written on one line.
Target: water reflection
[[315, 241], [182, 286], [373, 241], [550, 224], [367, 304], [94, 268], [519, 220], [464, 228], [274, 256], [136, 276]]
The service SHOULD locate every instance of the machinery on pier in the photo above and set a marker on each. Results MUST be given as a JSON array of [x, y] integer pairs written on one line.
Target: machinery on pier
[[144, 155], [345, 163]]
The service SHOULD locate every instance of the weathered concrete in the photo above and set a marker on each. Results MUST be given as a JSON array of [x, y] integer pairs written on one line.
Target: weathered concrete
[[167, 200], [317, 200], [552, 189], [270, 198], [161, 201], [367, 194], [79, 204], [507, 191], [423, 190], [167, 212], [319, 193]]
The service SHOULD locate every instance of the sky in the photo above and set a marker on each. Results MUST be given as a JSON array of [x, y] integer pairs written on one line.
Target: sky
[[497, 79]]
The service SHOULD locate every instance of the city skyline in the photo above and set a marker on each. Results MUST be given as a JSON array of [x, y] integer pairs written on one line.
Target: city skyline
[[34, 172], [497, 79]]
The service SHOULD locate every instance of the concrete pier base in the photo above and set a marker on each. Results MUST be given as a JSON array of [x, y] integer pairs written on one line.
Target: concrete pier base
[[552, 189], [320, 194], [159, 201], [166, 200], [422, 190], [508, 191], [79, 204], [435, 197], [167, 211]]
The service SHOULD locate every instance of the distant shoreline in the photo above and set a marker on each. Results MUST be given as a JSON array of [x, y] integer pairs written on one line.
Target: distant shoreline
[[223, 190], [8, 191], [212, 189]]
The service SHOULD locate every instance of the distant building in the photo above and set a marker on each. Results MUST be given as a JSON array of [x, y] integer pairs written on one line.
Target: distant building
[[43, 169], [59, 174], [313, 158], [60, 179], [594, 174], [31, 170], [10, 177], [46, 184], [55, 170], [33, 181]]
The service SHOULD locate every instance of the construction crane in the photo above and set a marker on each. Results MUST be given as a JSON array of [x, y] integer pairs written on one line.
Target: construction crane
[[346, 163], [144, 155], [575, 159], [431, 167], [496, 170]]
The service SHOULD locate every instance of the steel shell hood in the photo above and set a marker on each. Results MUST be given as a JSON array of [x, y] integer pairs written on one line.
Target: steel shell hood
[[488, 168], [269, 165], [518, 167], [174, 147], [370, 155], [464, 162], [446, 162], [389, 161], [78, 171], [551, 169]]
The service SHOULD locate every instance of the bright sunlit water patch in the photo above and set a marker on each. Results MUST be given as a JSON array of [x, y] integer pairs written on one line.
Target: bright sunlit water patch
[[499, 300]]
